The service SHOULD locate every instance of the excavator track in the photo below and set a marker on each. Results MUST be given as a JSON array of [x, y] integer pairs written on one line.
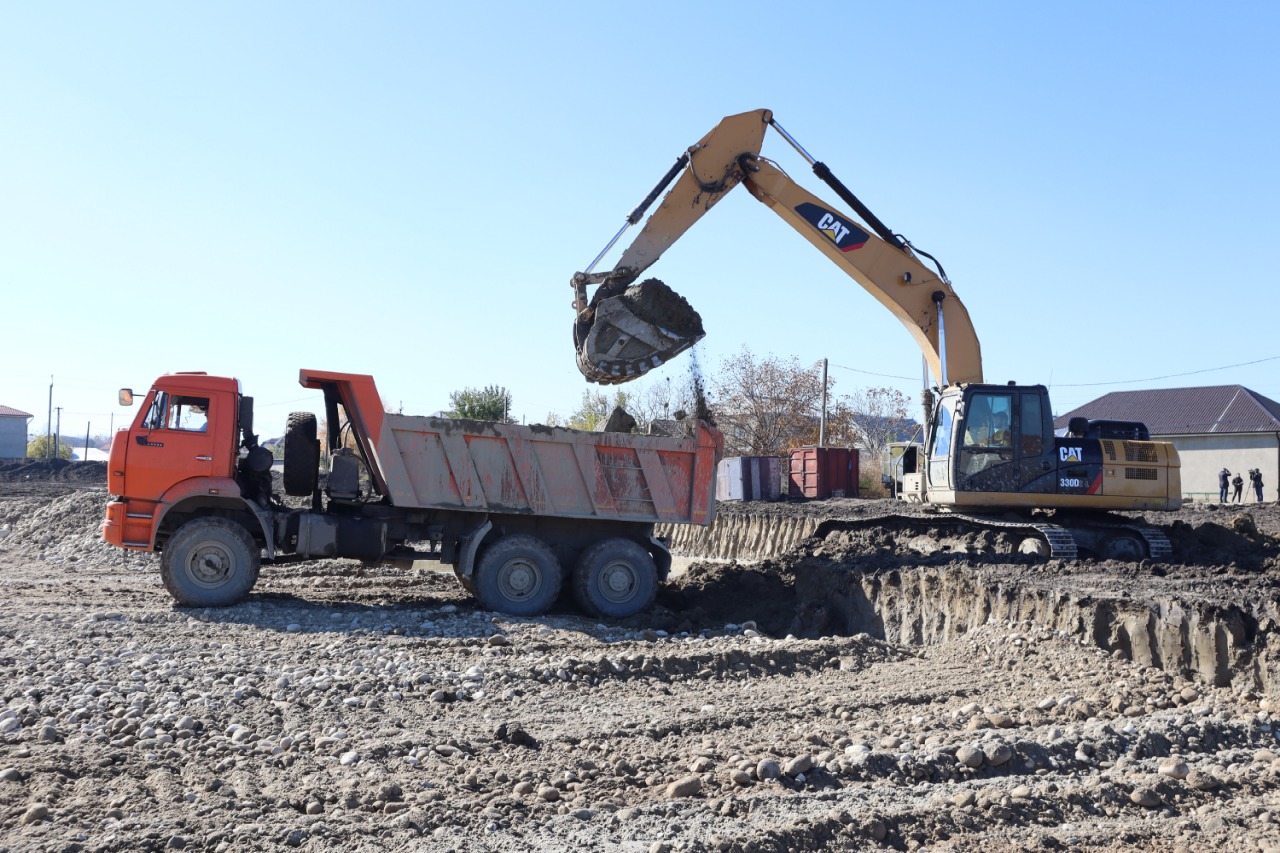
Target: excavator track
[[1068, 540]]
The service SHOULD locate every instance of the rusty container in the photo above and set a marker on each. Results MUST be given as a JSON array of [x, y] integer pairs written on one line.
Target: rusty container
[[819, 473]]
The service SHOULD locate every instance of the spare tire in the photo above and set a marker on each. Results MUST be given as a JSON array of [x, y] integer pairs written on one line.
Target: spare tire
[[301, 455]]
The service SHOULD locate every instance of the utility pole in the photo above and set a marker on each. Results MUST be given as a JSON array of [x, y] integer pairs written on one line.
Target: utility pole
[[87, 427], [48, 435], [822, 423], [57, 433]]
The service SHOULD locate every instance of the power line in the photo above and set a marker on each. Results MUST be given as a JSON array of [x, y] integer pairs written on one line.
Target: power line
[[872, 373], [1166, 376], [1095, 384]]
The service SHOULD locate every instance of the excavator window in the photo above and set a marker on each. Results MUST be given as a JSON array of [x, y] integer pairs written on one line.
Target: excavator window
[[987, 422], [988, 433], [1032, 425]]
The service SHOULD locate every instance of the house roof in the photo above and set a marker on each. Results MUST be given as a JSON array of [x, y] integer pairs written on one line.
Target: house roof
[[9, 412], [1186, 411]]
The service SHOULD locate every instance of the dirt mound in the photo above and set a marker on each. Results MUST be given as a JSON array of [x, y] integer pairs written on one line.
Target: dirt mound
[[54, 469], [654, 302]]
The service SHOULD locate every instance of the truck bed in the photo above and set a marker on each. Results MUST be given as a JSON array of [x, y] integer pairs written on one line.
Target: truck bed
[[447, 463]]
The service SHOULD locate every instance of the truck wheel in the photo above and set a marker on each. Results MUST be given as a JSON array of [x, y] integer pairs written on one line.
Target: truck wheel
[[616, 578], [301, 455], [210, 562], [518, 575]]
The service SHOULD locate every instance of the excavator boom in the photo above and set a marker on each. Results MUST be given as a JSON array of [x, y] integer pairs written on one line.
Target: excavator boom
[[627, 329]]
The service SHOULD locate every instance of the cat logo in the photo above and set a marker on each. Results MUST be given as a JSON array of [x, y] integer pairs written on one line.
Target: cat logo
[[833, 228], [847, 237], [1071, 454]]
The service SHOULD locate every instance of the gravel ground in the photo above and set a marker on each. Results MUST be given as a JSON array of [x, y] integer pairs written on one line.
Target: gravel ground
[[348, 709]]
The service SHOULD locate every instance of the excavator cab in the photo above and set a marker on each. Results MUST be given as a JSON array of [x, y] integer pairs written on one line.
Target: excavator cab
[[991, 438]]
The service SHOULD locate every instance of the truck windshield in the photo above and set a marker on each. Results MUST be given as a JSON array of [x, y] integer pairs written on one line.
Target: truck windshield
[[155, 414]]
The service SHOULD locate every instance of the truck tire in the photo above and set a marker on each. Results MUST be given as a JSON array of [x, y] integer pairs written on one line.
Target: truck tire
[[210, 562], [301, 455], [615, 578], [518, 575]]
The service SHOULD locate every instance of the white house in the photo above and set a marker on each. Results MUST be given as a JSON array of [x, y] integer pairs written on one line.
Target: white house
[[13, 433], [1213, 427]]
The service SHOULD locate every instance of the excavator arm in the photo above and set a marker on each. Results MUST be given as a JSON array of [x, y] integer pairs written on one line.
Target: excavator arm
[[627, 329]]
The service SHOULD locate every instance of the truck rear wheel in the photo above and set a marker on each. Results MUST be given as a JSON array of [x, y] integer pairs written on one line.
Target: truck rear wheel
[[615, 578], [210, 562], [301, 455], [518, 575]]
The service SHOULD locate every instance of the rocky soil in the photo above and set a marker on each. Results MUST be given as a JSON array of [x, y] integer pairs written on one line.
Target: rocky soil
[[844, 691]]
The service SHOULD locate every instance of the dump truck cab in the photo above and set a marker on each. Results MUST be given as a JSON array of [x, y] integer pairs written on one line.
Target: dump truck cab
[[189, 449]]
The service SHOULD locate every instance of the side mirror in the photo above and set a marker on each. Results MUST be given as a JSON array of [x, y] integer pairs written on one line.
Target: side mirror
[[125, 397]]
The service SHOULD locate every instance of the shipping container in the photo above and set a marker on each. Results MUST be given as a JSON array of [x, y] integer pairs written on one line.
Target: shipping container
[[749, 478], [819, 473]]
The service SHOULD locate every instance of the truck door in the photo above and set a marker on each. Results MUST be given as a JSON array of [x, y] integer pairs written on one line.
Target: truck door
[[172, 441]]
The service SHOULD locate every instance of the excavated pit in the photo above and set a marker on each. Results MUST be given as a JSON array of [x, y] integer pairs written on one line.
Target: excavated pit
[[1211, 614]]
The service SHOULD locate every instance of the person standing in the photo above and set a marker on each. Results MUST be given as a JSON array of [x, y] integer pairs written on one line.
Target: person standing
[[1255, 478], [1237, 483], [1224, 482]]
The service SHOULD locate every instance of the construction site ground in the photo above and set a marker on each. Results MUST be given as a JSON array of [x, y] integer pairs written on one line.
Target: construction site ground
[[878, 685]]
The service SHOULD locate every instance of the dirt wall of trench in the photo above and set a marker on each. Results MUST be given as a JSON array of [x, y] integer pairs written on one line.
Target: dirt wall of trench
[[739, 537], [1204, 618], [1217, 644]]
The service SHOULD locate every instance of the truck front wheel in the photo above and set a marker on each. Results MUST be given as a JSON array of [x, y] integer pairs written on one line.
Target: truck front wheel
[[210, 562], [615, 578], [518, 575]]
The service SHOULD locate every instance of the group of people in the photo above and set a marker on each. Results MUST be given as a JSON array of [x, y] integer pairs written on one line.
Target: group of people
[[1235, 484]]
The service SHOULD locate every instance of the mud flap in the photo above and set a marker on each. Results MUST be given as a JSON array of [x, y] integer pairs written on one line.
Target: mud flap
[[465, 568], [661, 556]]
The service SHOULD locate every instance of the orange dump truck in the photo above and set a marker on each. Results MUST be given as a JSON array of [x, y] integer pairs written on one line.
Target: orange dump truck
[[517, 511]]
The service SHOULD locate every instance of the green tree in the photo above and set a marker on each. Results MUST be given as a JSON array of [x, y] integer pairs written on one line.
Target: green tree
[[491, 403], [38, 448], [595, 409]]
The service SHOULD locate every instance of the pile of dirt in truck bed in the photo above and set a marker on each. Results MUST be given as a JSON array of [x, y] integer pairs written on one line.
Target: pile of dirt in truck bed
[[825, 698]]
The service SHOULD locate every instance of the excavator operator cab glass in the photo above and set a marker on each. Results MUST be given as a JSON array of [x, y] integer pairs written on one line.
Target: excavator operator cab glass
[[988, 436], [988, 419]]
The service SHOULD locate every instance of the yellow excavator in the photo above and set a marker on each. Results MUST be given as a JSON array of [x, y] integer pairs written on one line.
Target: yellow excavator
[[991, 457]]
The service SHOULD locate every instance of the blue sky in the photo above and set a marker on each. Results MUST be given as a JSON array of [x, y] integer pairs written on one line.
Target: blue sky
[[405, 189]]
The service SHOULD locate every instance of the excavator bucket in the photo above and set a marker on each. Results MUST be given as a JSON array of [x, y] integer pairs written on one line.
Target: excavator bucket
[[628, 333]]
